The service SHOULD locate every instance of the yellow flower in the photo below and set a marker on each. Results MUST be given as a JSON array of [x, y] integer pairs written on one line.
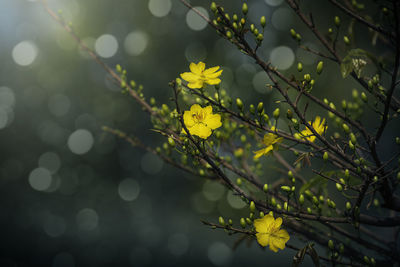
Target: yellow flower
[[200, 121], [199, 75], [270, 140], [269, 232], [318, 125]]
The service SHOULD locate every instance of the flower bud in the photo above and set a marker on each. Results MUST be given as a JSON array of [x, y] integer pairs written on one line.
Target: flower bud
[[213, 7], [260, 107], [301, 199], [351, 145], [239, 181], [325, 156], [293, 33], [263, 21], [229, 34], [331, 245], [245, 8], [265, 188], [260, 37], [366, 260], [348, 205], [252, 206], [299, 67], [339, 187], [242, 222], [337, 21], [341, 248], [289, 114], [242, 21], [221, 221], [309, 211], [261, 214], [171, 142], [276, 113], [239, 104], [252, 109], [315, 200], [346, 40], [286, 188], [346, 128], [364, 97], [307, 77], [320, 67], [248, 221], [235, 17], [353, 138]]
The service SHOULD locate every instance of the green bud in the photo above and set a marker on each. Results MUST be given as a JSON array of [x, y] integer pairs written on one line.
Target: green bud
[[339, 187], [308, 193], [315, 200], [248, 221], [337, 21], [364, 97], [320, 67], [242, 222], [273, 201], [252, 27], [252, 109], [227, 16], [252, 206], [260, 107], [229, 34], [286, 188], [299, 67], [298, 37], [346, 40], [366, 260], [213, 7], [255, 32], [307, 77], [346, 128], [243, 138], [331, 245], [353, 138], [293, 33], [230, 222], [332, 204], [263, 21], [351, 145], [239, 181], [330, 30], [342, 181], [118, 68], [398, 140], [235, 17], [290, 174], [348, 206], [344, 104], [265, 188], [262, 214], [341, 248], [221, 221], [235, 26], [301, 199], [373, 262], [276, 113], [325, 156], [289, 114], [398, 176], [245, 8], [346, 173], [326, 101], [171, 142], [309, 211], [239, 104], [260, 37]]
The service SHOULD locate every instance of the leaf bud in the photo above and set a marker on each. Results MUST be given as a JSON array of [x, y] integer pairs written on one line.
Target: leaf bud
[[221, 221], [245, 8], [252, 206], [339, 187], [276, 113], [320, 67], [337, 21], [263, 21]]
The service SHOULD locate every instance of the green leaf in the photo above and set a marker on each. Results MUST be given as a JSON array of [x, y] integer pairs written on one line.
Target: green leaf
[[313, 254], [355, 60], [299, 257], [316, 181]]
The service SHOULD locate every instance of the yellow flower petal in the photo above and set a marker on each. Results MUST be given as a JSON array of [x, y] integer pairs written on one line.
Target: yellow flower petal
[[197, 68], [196, 85], [200, 130], [213, 75], [196, 108], [189, 76], [262, 225], [207, 110], [188, 118], [211, 70], [272, 247], [213, 81], [263, 239], [213, 121]]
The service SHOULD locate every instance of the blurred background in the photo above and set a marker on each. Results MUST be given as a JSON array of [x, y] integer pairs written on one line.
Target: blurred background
[[72, 195]]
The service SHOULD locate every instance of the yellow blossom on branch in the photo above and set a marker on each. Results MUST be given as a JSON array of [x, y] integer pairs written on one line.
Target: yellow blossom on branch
[[269, 232], [200, 121], [270, 141], [318, 125], [199, 75]]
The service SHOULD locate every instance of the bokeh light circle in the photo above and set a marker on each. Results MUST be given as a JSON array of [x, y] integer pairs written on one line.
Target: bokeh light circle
[[128, 189], [194, 21], [87, 219], [24, 53], [274, 2], [282, 57], [80, 141], [50, 161], [160, 8], [135, 43], [40, 179], [219, 253], [106, 45]]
